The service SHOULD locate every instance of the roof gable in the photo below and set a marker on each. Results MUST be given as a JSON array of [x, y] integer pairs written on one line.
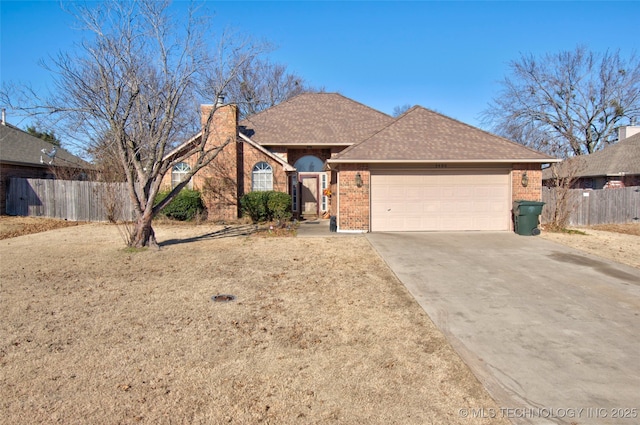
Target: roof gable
[[20, 147], [285, 165], [422, 135], [314, 119]]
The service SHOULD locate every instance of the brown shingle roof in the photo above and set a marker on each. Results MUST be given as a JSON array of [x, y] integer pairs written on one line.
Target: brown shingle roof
[[622, 157], [421, 135], [314, 119]]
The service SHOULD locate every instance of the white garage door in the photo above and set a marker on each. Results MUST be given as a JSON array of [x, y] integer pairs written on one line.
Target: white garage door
[[444, 200]]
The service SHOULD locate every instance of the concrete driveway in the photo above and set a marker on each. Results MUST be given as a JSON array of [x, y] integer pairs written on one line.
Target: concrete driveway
[[552, 333]]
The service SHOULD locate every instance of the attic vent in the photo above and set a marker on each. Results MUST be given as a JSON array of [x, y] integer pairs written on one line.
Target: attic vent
[[220, 99]]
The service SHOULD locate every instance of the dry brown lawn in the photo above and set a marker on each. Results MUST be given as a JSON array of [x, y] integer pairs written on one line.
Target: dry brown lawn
[[320, 332], [617, 242]]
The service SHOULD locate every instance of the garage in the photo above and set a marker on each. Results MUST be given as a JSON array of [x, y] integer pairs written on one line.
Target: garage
[[427, 172], [440, 200]]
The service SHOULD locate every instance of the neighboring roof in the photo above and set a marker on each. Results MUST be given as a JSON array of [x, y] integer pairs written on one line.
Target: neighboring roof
[[20, 148], [622, 158], [421, 135], [314, 119]]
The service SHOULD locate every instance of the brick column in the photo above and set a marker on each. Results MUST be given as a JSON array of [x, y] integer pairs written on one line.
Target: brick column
[[353, 214], [533, 191]]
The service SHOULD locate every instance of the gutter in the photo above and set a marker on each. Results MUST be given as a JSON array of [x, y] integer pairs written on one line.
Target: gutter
[[443, 161], [305, 145]]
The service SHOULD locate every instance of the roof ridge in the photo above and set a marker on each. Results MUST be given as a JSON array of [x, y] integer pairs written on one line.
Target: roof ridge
[[360, 103], [308, 94]]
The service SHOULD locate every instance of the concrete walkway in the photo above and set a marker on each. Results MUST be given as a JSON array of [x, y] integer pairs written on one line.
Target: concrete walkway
[[319, 228], [547, 329]]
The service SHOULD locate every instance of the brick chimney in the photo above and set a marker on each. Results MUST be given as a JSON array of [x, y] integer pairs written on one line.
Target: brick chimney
[[218, 182]]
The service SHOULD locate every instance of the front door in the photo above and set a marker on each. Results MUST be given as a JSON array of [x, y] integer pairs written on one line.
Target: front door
[[309, 196]]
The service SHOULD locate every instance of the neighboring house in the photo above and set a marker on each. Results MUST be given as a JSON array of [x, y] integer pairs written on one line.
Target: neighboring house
[[617, 165], [421, 171], [25, 156]]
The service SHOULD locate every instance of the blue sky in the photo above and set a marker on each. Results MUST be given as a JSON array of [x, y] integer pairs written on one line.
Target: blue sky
[[448, 56]]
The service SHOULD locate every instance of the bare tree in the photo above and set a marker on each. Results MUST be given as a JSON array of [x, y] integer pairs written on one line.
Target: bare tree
[[563, 202], [399, 110], [133, 87], [264, 84], [568, 103]]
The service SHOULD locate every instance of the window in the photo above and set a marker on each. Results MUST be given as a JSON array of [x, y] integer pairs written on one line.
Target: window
[[262, 177], [294, 194], [309, 164], [179, 173], [324, 186]]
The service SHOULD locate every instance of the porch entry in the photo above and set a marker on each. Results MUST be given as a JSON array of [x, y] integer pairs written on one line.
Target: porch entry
[[311, 181]]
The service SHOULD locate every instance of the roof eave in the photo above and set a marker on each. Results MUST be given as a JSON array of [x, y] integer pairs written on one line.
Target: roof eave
[[68, 164], [181, 147], [24, 164], [443, 161], [305, 145]]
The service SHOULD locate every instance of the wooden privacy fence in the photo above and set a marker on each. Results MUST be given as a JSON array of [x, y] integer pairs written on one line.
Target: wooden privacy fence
[[69, 200], [589, 207]]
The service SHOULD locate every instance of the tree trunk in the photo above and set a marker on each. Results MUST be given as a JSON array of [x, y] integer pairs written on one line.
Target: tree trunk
[[142, 235]]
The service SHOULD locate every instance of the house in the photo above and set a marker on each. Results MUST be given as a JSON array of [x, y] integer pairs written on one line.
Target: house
[[616, 165], [25, 156], [422, 171]]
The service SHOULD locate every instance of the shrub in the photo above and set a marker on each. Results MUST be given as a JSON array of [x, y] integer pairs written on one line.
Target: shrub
[[266, 206], [279, 206], [186, 206], [254, 204]]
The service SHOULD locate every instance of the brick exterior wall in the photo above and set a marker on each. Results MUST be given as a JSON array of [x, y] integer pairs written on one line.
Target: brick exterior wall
[[353, 200], [295, 154], [533, 191], [630, 181], [223, 182], [229, 176], [218, 182]]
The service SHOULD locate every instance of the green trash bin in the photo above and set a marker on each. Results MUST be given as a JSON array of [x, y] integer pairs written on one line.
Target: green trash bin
[[525, 217]]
